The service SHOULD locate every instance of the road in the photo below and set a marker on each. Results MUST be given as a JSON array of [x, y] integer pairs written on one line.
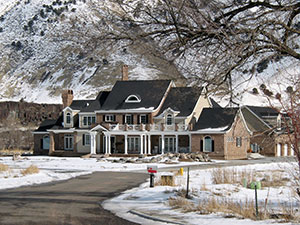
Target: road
[[76, 201]]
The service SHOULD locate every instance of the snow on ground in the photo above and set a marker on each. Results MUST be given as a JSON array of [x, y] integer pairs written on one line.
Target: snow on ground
[[62, 168], [140, 204]]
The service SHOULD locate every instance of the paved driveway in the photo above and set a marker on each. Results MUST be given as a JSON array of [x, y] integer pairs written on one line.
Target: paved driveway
[[75, 201]]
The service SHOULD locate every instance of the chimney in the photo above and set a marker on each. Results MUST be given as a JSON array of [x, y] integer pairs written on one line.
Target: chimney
[[124, 72], [67, 97]]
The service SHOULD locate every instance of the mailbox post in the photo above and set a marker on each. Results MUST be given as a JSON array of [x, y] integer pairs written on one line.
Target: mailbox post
[[152, 170]]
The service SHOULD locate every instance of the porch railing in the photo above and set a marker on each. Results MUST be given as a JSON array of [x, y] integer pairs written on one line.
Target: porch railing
[[151, 127]]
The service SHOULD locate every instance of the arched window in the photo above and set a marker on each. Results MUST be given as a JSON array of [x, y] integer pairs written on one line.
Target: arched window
[[208, 144], [68, 118], [169, 119], [133, 99], [46, 142]]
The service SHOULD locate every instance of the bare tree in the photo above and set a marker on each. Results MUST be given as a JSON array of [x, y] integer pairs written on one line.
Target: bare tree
[[289, 105], [216, 42]]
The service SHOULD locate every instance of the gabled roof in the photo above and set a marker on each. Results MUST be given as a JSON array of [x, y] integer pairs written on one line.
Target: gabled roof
[[151, 93], [97, 103], [182, 99], [254, 123], [80, 104], [268, 115], [214, 104], [215, 120], [45, 125]]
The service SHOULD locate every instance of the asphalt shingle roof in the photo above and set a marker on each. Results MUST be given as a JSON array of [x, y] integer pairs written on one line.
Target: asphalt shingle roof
[[182, 99], [267, 114], [97, 103], [253, 123], [45, 125], [216, 118], [151, 93]]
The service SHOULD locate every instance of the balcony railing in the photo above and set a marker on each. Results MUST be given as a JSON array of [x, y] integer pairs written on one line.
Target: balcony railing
[[151, 127]]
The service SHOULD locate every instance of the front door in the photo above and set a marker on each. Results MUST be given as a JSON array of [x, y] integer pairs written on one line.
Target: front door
[[113, 144], [68, 142], [169, 144]]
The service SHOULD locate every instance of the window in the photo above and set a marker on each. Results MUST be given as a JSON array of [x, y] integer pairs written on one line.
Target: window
[[169, 119], [89, 120], [68, 142], [238, 141], [133, 99], [170, 143], [68, 118], [208, 144], [86, 139], [109, 118], [129, 119], [143, 119], [46, 142], [133, 143]]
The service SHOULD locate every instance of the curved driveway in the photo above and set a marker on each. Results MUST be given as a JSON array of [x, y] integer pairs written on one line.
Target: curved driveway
[[76, 201]]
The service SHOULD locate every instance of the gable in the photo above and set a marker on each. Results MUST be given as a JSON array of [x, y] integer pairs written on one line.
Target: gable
[[182, 100], [215, 120]]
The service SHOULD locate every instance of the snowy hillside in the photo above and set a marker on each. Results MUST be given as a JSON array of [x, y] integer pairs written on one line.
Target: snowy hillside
[[40, 54], [50, 45]]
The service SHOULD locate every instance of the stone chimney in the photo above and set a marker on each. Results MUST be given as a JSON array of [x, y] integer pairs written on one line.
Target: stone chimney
[[124, 72], [67, 97]]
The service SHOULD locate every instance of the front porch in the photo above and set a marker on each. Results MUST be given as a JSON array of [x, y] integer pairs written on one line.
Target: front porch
[[137, 143]]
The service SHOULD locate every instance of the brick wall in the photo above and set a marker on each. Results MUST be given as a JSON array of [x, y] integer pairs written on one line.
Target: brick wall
[[225, 144]]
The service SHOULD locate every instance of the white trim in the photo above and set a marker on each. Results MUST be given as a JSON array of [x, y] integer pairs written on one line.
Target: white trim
[[137, 99], [40, 132], [99, 127], [63, 131], [87, 113], [138, 110], [211, 132], [73, 110], [244, 121]]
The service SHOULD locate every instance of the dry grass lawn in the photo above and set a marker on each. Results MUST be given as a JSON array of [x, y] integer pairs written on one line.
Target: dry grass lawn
[[3, 167], [30, 170]]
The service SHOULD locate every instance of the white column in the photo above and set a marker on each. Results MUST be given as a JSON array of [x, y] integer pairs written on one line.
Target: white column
[[142, 146], [149, 144], [285, 150], [145, 144], [292, 150], [125, 145], [278, 150], [176, 143], [106, 143], [162, 144], [190, 143], [109, 144], [93, 142]]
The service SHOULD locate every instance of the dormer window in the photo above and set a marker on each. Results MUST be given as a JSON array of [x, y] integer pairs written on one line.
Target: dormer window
[[68, 118], [169, 120], [133, 99]]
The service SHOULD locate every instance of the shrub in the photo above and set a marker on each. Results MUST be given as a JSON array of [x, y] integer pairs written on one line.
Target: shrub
[[230, 176], [30, 170], [254, 91], [3, 167], [262, 87]]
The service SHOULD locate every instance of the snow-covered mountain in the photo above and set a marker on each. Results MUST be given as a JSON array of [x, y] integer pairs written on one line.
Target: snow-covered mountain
[[50, 45]]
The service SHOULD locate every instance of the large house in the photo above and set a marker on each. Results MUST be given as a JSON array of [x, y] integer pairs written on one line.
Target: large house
[[135, 117], [150, 117]]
